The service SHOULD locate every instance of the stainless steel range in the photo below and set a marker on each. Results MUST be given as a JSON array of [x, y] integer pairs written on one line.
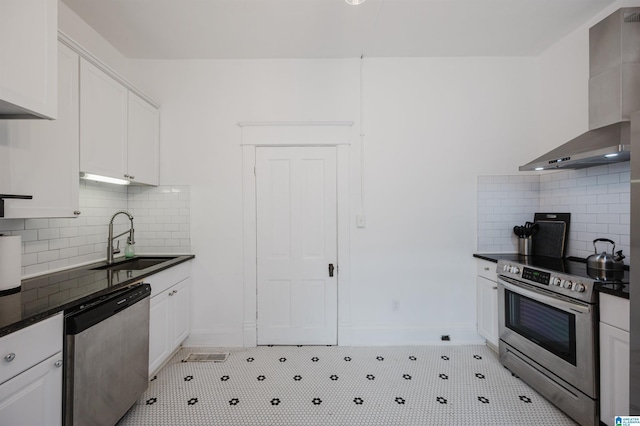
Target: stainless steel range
[[548, 322]]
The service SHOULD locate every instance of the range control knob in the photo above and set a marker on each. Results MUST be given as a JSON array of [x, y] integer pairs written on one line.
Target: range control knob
[[567, 284], [555, 281], [505, 268], [579, 287], [515, 270]]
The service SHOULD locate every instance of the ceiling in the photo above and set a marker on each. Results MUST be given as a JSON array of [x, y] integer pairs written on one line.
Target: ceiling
[[252, 29]]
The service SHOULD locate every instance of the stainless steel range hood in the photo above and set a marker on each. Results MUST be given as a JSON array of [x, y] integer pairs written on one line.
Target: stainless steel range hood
[[614, 93]]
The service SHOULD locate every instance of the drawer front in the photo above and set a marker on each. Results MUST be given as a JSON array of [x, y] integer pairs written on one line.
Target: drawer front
[[487, 269], [25, 348], [169, 277], [614, 311]]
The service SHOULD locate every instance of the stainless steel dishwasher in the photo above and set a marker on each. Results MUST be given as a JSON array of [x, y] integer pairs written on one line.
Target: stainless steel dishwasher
[[106, 356]]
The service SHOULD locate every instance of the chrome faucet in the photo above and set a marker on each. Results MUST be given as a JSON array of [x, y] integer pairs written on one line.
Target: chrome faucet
[[110, 250]]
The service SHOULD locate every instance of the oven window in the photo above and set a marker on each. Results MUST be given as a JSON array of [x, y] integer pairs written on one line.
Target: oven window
[[548, 327]]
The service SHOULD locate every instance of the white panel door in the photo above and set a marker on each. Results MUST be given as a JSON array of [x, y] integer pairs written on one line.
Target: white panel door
[[297, 241]]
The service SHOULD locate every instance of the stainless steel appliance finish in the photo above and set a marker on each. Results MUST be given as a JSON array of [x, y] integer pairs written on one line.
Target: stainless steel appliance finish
[[548, 334], [107, 357], [634, 296], [614, 93]]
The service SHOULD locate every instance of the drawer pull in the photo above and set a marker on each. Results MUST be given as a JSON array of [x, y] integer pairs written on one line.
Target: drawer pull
[[495, 287], [77, 212], [173, 292], [58, 363], [486, 268], [10, 357]]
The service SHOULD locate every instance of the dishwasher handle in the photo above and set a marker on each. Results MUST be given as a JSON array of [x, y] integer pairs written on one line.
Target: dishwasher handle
[[103, 309]]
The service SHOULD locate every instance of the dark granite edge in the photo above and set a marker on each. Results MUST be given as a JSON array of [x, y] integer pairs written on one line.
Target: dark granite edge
[[485, 257], [26, 322], [606, 288]]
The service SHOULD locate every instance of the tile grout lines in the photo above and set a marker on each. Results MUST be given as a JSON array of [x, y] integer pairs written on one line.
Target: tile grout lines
[[317, 385]]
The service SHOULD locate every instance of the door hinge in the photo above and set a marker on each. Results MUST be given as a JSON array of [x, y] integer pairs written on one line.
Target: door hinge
[[254, 171]]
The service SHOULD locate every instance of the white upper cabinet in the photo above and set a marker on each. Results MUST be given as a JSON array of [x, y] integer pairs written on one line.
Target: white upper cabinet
[[119, 131], [28, 37], [40, 157], [103, 123], [143, 141]]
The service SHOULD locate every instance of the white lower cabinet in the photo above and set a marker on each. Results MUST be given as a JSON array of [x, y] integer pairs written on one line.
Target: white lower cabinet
[[169, 314], [31, 375], [614, 358], [34, 397], [487, 302]]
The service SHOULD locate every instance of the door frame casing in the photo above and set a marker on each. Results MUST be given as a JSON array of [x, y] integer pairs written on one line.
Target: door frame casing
[[294, 134]]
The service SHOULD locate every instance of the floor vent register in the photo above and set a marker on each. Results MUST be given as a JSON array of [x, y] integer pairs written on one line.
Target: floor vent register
[[209, 357]]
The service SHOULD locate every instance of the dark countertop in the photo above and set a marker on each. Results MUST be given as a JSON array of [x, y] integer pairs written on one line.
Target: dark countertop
[[614, 289], [44, 296]]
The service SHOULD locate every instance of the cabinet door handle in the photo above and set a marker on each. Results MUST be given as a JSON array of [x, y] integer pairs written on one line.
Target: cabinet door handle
[[331, 268], [10, 357], [486, 268], [126, 176], [58, 363], [173, 292], [77, 212], [495, 287], [132, 177]]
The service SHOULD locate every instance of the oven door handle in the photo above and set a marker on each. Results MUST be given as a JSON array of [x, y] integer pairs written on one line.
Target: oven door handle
[[547, 300]]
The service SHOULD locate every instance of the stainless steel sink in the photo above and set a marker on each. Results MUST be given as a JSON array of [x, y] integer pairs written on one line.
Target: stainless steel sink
[[135, 264]]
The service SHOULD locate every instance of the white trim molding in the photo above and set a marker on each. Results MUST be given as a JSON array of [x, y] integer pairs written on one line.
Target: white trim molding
[[255, 134]]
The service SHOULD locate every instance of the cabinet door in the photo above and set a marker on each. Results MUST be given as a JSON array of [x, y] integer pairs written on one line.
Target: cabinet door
[[487, 310], [35, 396], [43, 155], [103, 123], [180, 302], [159, 339], [143, 141], [614, 373], [28, 30]]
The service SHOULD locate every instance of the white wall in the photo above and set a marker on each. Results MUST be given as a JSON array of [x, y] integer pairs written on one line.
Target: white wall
[[430, 125]]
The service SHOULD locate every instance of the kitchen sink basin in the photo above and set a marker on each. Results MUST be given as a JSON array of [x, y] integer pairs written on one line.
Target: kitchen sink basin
[[135, 264]]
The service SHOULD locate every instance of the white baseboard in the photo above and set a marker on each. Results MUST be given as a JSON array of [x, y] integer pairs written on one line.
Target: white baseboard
[[402, 336], [353, 336], [215, 339]]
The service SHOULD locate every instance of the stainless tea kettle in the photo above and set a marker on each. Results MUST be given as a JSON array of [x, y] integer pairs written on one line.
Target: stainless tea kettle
[[605, 261]]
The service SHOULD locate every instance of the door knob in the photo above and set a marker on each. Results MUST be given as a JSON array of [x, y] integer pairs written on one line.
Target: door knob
[[331, 268]]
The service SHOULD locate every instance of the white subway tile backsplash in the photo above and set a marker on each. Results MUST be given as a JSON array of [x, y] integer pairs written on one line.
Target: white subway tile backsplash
[[598, 199], [49, 244], [36, 223]]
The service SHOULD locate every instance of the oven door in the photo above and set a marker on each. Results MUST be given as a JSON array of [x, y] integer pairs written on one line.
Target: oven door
[[553, 331]]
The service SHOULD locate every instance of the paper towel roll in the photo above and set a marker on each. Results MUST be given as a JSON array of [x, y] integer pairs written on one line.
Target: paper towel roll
[[10, 261]]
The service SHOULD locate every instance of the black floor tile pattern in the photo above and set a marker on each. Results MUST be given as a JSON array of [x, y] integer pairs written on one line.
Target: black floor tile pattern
[[313, 385]]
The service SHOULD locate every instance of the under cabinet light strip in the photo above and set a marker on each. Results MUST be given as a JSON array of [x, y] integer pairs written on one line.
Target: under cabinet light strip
[[105, 179]]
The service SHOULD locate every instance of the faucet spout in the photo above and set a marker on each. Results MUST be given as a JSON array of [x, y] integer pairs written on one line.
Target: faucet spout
[[111, 237]]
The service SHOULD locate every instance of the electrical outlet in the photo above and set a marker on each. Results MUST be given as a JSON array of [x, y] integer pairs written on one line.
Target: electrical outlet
[[395, 305], [445, 338]]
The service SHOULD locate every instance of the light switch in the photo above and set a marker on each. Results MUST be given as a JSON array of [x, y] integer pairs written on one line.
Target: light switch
[[360, 221]]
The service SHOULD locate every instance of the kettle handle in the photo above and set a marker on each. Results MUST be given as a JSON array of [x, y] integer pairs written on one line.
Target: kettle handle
[[606, 240]]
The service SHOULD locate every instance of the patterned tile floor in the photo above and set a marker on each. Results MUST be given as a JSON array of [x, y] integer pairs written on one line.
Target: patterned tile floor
[[318, 385]]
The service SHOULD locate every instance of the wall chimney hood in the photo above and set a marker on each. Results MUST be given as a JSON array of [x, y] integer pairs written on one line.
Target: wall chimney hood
[[614, 93]]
